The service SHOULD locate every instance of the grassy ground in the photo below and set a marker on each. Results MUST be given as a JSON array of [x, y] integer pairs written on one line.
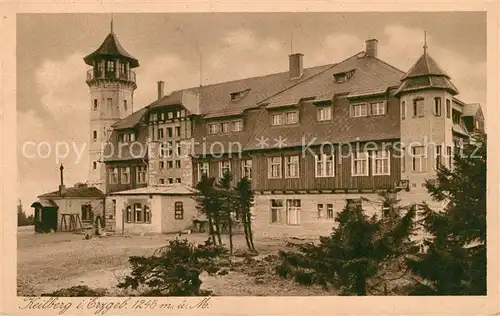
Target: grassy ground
[[47, 262]]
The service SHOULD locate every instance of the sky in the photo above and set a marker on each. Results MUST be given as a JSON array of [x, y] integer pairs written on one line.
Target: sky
[[53, 100]]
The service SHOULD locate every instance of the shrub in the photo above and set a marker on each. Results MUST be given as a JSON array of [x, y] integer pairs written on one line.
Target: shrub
[[174, 270], [77, 291]]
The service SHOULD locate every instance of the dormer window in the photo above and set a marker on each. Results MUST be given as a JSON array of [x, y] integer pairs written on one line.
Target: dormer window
[[456, 116], [359, 110], [236, 96], [213, 128], [377, 108], [291, 117], [237, 126], [325, 113], [224, 127], [170, 115], [126, 137], [342, 77], [153, 117]]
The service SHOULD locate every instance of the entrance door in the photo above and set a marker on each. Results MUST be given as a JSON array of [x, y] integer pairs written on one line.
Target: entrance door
[[49, 218]]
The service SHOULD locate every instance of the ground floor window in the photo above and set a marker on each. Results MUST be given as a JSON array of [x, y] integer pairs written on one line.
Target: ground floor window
[[275, 210], [138, 213], [293, 212], [87, 213], [179, 210], [325, 210]]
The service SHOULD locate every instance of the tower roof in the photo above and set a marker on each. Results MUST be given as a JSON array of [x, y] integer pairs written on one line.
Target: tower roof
[[426, 74], [111, 47]]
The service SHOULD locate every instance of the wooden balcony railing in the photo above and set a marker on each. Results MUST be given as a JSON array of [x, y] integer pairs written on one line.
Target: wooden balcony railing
[[126, 76]]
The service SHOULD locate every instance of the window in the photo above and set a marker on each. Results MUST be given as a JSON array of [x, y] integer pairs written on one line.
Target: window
[[291, 117], [418, 107], [324, 165], [377, 108], [147, 214], [438, 156], [403, 160], [213, 128], [403, 110], [110, 65], [170, 180], [293, 212], [325, 114], [113, 175], [138, 213], [178, 149], [170, 164], [276, 210], [170, 115], [125, 105], [450, 156], [95, 104], [329, 211], [321, 210], [161, 181], [183, 113], [109, 103], [122, 68], [177, 163], [418, 158], [161, 133], [224, 127], [381, 163], [169, 132], [277, 119], [141, 174], [177, 131], [125, 176], [274, 171], [94, 136], [170, 149], [437, 106], [359, 110], [153, 117], [177, 180], [224, 166], [128, 213], [448, 108], [113, 214], [162, 165], [178, 210], [246, 168], [456, 117], [87, 214], [94, 165], [202, 170], [292, 167], [359, 164], [237, 126], [162, 116], [354, 203]]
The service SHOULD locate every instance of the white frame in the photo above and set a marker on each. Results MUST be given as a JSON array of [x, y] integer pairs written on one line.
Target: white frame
[[281, 119], [237, 123], [278, 209], [221, 167], [245, 166], [215, 127], [379, 105], [361, 105], [324, 113], [270, 165], [403, 110], [289, 163], [354, 158], [421, 158], [113, 176], [289, 207], [285, 117], [141, 170], [386, 155], [125, 171], [324, 162], [415, 108]]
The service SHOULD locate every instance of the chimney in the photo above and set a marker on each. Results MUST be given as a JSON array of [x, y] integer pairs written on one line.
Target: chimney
[[371, 47], [296, 68], [161, 89], [61, 186]]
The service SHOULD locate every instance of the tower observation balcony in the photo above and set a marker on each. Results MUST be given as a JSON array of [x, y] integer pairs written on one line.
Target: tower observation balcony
[[95, 75]]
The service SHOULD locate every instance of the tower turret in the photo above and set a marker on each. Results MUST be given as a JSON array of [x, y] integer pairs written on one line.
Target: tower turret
[[112, 83]]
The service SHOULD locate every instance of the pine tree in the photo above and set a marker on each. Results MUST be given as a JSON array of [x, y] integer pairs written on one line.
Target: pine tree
[[455, 259], [228, 204], [353, 257], [246, 198], [208, 204]]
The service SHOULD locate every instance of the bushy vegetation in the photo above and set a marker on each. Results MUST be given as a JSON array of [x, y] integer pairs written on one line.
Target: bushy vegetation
[[174, 270]]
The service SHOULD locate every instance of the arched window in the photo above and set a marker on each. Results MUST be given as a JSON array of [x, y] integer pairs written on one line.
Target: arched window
[[179, 210]]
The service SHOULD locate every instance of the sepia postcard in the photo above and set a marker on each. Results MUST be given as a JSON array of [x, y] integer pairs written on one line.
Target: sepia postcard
[[238, 158]]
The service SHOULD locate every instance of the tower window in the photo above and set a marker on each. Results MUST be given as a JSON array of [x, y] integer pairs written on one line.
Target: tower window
[[110, 66], [125, 105], [437, 106], [448, 108], [94, 136], [418, 107], [95, 104], [122, 68], [403, 110], [94, 165]]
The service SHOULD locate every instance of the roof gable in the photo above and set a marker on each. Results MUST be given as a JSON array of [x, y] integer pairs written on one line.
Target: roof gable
[[78, 192], [130, 121], [425, 66]]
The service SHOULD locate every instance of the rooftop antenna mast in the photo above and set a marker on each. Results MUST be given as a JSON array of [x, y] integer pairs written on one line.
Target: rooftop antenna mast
[[425, 42], [111, 23]]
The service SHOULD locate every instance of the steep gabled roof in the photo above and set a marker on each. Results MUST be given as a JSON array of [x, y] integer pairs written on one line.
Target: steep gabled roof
[[426, 74], [111, 47], [130, 121], [215, 99], [471, 109]]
